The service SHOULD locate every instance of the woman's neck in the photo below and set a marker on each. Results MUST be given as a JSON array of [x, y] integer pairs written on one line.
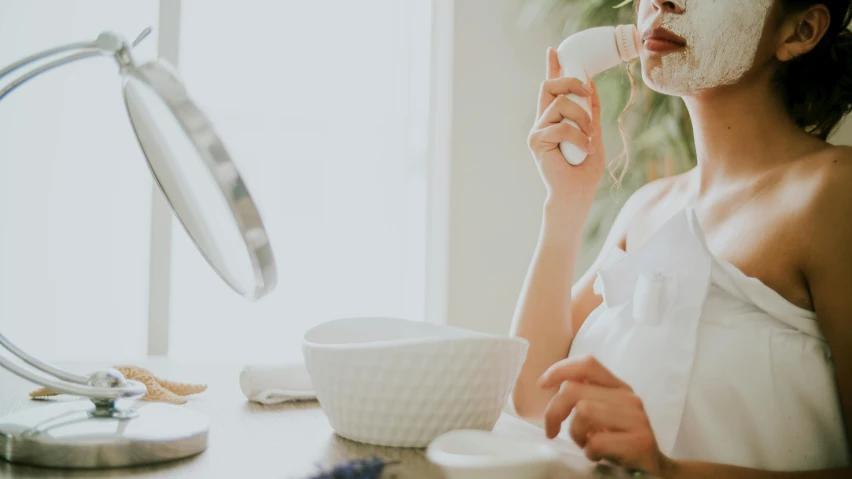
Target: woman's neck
[[741, 131]]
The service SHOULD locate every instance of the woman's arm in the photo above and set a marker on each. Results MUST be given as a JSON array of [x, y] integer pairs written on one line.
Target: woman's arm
[[550, 310], [544, 309], [544, 312], [829, 270]]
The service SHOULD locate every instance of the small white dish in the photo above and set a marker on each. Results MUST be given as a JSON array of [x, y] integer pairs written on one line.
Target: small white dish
[[474, 454]]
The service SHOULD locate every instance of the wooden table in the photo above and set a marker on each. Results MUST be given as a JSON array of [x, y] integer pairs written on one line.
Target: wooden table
[[249, 440]]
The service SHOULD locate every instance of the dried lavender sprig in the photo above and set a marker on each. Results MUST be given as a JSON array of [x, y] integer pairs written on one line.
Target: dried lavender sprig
[[369, 468]]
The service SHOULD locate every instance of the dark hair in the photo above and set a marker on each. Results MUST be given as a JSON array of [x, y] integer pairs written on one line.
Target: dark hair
[[817, 86]]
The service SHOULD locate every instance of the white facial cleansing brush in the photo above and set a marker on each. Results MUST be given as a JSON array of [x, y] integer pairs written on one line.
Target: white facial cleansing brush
[[588, 53]]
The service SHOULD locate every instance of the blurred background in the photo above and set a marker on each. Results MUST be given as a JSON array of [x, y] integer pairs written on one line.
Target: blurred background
[[383, 140]]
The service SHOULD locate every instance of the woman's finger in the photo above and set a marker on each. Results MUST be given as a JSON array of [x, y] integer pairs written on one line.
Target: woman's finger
[[586, 369], [559, 408], [581, 427], [571, 393], [555, 134], [591, 416], [566, 86], [551, 89], [563, 108]]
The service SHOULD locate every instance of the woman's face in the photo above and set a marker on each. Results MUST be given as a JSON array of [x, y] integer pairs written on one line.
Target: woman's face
[[690, 46]]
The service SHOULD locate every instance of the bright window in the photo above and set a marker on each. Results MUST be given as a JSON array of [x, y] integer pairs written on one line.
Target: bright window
[[324, 107], [75, 193]]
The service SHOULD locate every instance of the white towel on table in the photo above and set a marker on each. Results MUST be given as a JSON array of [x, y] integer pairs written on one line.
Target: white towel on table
[[276, 383]]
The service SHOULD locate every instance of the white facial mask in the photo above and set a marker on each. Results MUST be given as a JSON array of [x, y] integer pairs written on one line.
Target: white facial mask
[[722, 37]]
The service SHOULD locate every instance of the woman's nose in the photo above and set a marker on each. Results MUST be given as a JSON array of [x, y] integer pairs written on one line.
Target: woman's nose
[[673, 6]]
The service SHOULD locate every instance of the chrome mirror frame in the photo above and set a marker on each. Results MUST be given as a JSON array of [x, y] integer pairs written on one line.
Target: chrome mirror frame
[[71, 434]]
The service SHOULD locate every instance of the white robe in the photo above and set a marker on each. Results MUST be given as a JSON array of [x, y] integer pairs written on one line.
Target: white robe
[[728, 370]]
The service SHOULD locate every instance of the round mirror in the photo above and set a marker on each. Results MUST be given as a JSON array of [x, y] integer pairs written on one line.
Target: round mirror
[[200, 181]]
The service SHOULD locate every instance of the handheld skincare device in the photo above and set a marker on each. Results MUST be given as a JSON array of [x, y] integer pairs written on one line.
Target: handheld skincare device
[[585, 55]]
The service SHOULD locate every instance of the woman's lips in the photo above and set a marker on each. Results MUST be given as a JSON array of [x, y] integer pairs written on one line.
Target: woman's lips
[[661, 46], [660, 40]]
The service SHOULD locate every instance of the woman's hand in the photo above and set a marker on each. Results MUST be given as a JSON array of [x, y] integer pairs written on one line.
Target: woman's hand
[[564, 181], [609, 420]]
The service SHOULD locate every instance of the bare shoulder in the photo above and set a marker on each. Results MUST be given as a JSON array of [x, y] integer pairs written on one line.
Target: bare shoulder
[[822, 183], [833, 170], [831, 180], [820, 187]]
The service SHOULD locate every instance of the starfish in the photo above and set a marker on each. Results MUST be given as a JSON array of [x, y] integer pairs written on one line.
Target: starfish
[[160, 390]]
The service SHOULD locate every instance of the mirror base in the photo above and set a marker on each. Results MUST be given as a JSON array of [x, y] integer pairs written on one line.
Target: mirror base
[[67, 435]]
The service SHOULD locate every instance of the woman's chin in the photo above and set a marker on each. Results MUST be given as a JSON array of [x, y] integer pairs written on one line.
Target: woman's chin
[[650, 82], [654, 79], [649, 64]]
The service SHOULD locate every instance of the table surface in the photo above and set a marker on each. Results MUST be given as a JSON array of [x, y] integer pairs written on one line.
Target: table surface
[[249, 440]]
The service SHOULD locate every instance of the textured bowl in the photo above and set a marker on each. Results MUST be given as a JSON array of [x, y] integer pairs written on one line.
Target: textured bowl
[[392, 382]]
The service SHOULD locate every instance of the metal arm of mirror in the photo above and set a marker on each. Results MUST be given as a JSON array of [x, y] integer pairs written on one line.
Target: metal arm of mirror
[[112, 433], [66, 382]]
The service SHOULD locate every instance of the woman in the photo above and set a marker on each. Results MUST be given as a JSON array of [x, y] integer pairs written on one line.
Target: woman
[[713, 335]]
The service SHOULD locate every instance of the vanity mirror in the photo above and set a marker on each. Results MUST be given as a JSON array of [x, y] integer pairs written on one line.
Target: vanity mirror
[[202, 184]]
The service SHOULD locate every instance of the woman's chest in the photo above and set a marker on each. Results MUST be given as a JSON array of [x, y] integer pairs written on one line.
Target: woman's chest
[[764, 242]]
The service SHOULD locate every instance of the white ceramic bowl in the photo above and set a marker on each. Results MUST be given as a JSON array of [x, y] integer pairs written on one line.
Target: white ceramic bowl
[[393, 382]]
